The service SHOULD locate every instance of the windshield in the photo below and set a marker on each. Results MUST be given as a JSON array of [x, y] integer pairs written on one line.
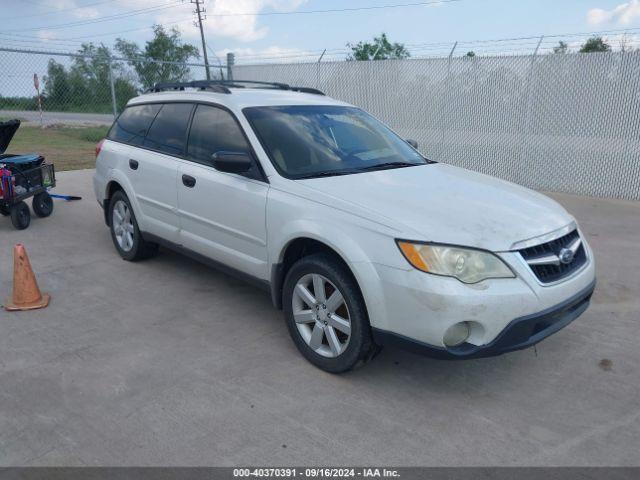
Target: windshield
[[313, 140]]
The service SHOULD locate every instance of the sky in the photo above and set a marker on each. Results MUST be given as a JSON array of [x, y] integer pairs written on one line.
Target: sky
[[261, 31]]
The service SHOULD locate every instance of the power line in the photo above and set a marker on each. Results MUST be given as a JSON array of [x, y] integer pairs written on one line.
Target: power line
[[36, 44], [336, 10], [148, 9], [108, 18], [130, 30], [53, 12], [31, 39], [486, 45]]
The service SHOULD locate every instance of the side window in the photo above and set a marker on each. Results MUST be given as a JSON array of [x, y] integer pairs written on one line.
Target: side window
[[132, 124], [214, 130], [169, 130]]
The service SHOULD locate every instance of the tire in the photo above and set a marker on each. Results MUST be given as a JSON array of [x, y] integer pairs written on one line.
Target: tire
[[125, 233], [20, 215], [42, 205], [4, 211], [356, 346]]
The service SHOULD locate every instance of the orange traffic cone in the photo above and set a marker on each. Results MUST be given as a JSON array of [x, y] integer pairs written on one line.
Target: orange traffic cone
[[26, 294]]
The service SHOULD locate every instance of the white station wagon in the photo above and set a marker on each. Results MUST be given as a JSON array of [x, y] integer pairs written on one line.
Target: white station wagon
[[360, 239]]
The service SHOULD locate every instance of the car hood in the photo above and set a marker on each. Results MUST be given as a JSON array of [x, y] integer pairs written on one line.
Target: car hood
[[442, 203]]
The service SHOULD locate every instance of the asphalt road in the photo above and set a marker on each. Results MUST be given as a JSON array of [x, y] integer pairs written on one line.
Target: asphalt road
[[169, 362], [64, 118]]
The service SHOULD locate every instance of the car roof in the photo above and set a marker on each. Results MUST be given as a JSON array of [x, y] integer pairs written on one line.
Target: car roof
[[239, 98]]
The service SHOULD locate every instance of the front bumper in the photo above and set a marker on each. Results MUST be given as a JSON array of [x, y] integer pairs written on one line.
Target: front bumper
[[520, 333]]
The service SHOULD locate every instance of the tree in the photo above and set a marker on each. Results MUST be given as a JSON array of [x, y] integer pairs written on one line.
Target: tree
[[86, 84], [380, 49], [561, 48], [470, 54], [595, 44], [94, 67], [56, 83], [166, 46]]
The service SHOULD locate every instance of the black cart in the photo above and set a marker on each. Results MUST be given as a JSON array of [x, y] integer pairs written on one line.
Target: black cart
[[23, 177]]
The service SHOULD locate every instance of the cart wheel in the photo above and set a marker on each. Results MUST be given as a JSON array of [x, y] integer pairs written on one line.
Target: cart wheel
[[42, 205], [4, 211], [20, 216]]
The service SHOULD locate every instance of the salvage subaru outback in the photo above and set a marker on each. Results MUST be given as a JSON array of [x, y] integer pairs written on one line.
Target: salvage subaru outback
[[360, 239]]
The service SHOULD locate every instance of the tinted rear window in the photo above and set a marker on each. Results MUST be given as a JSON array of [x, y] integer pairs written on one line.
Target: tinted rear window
[[169, 130], [132, 124]]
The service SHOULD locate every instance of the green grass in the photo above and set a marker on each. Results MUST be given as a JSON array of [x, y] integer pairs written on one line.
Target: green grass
[[68, 148], [87, 134]]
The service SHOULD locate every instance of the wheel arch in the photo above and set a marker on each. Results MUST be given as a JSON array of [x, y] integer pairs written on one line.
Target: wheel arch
[[295, 249], [118, 181], [112, 187]]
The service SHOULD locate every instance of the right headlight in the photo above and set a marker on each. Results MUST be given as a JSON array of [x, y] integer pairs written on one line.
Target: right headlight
[[466, 264]]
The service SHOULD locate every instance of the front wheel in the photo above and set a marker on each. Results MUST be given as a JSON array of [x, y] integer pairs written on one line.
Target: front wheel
[[326, 314], [125, 232]]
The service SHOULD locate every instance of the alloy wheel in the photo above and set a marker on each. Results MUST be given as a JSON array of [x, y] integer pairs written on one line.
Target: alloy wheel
[[123, 225], [321, 315]]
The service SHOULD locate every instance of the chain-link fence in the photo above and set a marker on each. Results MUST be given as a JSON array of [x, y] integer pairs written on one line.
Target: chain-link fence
[[82, 83], [565, 123]]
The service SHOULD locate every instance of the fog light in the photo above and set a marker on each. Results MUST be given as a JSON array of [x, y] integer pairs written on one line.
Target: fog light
[[456, 334]]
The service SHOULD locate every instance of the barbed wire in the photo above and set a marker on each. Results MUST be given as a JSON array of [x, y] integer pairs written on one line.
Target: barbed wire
[[524, 45]]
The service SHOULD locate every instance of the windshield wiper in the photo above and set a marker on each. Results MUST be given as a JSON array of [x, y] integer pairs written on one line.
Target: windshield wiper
[[383, 166], [379, 166], [327, 173]]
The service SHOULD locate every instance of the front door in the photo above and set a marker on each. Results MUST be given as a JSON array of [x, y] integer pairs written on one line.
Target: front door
[[222, 215]]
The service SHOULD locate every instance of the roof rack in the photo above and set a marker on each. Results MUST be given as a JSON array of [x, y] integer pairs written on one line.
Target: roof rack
[[222, 86], [313, 91], [199, 84]]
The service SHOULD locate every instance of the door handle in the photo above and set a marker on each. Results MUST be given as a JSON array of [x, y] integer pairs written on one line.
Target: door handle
[[188, 181], [133, 164]]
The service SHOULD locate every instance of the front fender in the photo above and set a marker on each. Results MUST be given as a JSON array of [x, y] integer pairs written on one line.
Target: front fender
[[333, 235]]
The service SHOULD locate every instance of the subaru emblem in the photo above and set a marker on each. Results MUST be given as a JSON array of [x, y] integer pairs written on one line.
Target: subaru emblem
[[565, 256]]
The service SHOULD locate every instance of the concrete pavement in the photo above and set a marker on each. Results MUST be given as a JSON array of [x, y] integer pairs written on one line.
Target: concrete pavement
[[169, 362]]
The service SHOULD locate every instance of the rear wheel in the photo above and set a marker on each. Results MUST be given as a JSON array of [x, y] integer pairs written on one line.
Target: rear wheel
[[326, 314], [42, 205], [125, 232], [20, 215]]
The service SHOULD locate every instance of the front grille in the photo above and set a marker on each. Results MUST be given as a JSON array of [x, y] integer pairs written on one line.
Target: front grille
[[544, 259]]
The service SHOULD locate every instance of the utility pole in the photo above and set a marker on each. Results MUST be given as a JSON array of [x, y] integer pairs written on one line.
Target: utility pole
[[198, 23], [231, 61]]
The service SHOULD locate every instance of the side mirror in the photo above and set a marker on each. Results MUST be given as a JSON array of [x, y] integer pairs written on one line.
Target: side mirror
[[232, 162], [413, 143]]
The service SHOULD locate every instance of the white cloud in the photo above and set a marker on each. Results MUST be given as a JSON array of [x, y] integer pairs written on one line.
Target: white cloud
[[60, 4], [222, 18], [623, 14], [86, 12], [46, 35], [71, 7]]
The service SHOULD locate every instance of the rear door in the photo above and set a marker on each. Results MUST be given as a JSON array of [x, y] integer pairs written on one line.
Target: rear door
[[152, 165], [222, 215]]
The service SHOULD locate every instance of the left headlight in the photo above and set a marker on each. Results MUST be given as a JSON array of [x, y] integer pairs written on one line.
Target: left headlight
[[466, 264]]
